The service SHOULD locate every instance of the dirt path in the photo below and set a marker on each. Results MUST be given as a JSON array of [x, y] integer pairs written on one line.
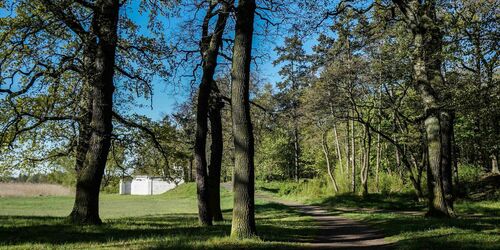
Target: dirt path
[[335, 232]]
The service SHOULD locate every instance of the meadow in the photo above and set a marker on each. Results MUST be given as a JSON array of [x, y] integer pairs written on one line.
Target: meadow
[[144, 222], [11, 189], [169, 221]]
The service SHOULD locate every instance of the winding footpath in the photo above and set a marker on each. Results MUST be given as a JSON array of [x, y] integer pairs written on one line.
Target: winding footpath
[[335, 232]]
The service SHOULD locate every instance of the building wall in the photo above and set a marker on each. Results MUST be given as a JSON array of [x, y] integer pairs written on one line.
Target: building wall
[[146, 186], [125, 187], [160, 187], [141, 186]]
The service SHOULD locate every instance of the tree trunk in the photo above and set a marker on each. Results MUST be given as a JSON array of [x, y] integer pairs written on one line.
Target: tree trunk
[[296, 151], [377, 164], [337, 145], [243, 224], [353, 159], [191, 169], [347, 146], [86, 207], [326, 152], [216, 148], [494, 164], [366, 161], [200, 151], [446, 123], [210, 50], [397, 156]]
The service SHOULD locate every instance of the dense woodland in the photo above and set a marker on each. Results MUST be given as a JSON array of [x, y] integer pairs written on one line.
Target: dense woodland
[[375, 96]]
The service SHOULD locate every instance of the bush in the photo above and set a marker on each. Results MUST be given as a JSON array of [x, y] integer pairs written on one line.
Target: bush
[[469, 173]]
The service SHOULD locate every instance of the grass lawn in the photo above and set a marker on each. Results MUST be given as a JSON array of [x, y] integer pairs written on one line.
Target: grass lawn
[[401, 218], [144, 222]]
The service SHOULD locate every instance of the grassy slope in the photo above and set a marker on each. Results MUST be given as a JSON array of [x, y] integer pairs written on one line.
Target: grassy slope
[[143, 222], [402, 220]]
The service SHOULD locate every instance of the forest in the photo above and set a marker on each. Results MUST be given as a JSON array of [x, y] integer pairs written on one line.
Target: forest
[[373, 109]]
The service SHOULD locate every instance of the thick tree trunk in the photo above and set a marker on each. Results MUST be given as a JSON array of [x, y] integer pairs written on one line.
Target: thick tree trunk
[[216, 148], [191, 169], [210, 50], [439, 166], [86, 207], [84, 133], [447, 120], [243, 224]]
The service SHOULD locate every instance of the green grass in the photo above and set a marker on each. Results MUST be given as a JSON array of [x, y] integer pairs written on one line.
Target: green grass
[[401, 217], [144, 222], [170, 221], [179, 200]]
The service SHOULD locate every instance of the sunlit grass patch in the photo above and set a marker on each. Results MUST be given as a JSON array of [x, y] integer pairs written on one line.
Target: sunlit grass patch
[[167, 221]]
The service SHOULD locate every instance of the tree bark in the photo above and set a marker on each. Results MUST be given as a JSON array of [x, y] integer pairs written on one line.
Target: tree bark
[[377, 164], [326, 152], [337, 145], [353, 159], [86, 207], [494, 164], [216, 148], [447, 120], [210, 50], [347, 148], [243, 224], [366, 161], [296, 150]]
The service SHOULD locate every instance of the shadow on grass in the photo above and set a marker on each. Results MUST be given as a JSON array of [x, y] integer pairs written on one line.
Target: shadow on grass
[[430, 233], [479, 210], [399, 202], [401, 216], [452, 240], [270, 190], [278, 225]]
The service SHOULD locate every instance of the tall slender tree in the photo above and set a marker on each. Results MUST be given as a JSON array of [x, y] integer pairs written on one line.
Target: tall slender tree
[[293, 56]]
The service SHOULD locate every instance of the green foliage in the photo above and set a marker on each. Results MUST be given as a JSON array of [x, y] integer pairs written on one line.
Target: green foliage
[[469, 173], [274, 157], [321, 187]]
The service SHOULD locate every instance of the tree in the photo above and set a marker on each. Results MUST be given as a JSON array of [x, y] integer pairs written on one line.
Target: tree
[[425, 26], [102, 41], [294, 70], [85, 56], [210, 45], [243, 224], [216, 151]]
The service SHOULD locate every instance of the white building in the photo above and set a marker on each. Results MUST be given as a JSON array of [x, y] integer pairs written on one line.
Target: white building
[[147, 185]]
